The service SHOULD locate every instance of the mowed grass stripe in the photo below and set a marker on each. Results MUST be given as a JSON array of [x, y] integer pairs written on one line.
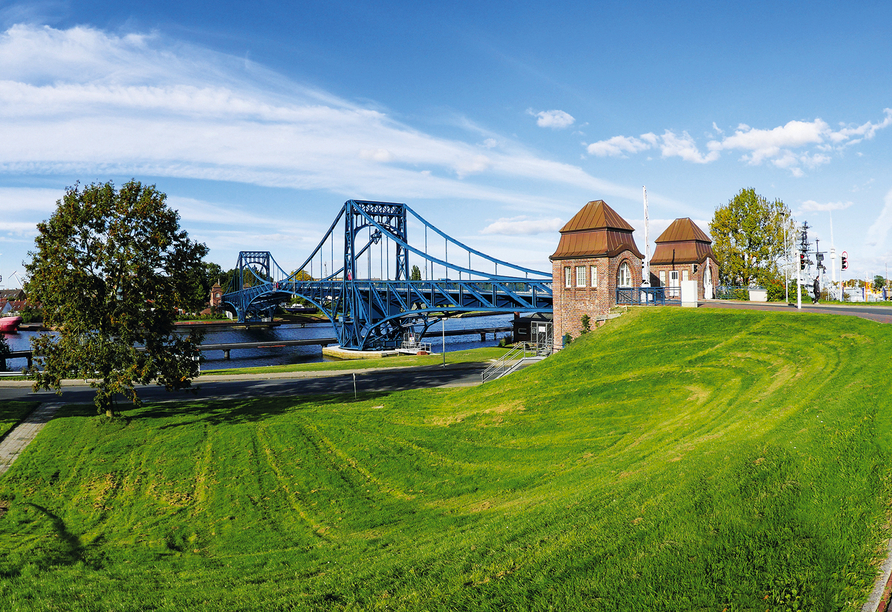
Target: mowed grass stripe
[[672, 460]]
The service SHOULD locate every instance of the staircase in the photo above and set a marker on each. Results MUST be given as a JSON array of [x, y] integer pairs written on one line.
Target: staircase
[[526, 352]]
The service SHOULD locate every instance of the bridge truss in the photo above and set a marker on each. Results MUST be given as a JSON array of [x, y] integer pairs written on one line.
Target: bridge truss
[[366, 286]]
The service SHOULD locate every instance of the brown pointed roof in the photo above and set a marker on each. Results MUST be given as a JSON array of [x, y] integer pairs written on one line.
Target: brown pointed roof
[[595, 231], [682, 242], [596, 215]]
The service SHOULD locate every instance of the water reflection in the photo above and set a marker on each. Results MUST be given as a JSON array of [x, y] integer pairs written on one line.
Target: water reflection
[[247, 358]]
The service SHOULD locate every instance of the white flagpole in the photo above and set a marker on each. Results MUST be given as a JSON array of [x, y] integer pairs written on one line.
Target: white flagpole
[[646, 280]]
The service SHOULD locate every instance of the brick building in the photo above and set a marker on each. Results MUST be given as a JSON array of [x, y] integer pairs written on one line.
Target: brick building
[[596, 254], [684, 252]]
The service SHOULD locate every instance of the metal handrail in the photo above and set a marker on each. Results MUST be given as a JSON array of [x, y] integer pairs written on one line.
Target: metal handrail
[[510, 360]]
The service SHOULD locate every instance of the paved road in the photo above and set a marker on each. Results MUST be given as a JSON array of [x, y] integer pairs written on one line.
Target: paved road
[[881, 314], [296, 383]]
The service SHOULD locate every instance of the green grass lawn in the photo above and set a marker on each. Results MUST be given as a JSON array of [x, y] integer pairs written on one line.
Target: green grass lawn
[[672, 460]]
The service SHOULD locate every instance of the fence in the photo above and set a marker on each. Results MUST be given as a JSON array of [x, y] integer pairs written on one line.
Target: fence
[[648, 296]]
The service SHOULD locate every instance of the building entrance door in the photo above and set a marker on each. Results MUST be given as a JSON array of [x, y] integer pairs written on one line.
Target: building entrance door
[[673, 285], [707, 282]]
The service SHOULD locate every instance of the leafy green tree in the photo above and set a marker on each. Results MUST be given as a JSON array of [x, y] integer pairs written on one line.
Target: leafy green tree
[[4, 353], [301, 276], [748, 238], [878, 283], [203, 278], [416, 274], [110, 268]]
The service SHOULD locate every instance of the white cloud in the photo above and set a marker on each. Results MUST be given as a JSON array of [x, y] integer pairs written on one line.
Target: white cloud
[[14, 200], [879, 229], [670, 144], [792, 146], [767, 144], [522, 226], [866, 131], [684, 147], [618, 146], [378, 155], [811, 205], [555, 119]]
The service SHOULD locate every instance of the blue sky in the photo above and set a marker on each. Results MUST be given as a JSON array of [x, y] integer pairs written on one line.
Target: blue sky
[[495, 121]]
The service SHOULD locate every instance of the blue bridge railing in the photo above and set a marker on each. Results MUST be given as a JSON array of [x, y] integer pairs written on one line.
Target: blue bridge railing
[[648, 296]]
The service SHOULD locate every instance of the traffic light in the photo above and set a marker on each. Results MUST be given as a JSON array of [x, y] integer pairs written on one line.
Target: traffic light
[[845, 262], [802, 261]]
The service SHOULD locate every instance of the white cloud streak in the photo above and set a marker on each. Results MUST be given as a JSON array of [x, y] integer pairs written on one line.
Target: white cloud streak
[[879, 229], [83, 101], [811, 205], [522, 226]]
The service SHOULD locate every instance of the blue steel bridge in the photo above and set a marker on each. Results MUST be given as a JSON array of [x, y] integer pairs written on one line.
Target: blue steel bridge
[[360, 276]]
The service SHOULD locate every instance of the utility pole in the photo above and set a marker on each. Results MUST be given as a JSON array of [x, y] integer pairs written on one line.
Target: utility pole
[[796, 261]]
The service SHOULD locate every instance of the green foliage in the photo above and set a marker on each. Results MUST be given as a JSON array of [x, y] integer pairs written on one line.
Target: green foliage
[[111, 268], [31, 314], [4, 352], [748, 238], [740, 462], [416, 273], [586, 324], [878, 283]]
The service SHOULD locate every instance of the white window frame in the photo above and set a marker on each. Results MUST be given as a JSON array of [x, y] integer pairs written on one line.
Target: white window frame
[[568, 278], [662, 278], [624, 275], [684, 275], [594, 276], [580, 276]]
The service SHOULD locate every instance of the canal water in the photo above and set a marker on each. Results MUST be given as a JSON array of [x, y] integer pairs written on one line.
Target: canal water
[[249, 358]]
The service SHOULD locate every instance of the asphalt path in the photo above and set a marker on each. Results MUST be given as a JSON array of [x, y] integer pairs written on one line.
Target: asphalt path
[[250, 386], [881, 314]]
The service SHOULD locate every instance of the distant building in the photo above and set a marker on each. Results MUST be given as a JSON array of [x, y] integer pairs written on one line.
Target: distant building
[[12, 294], [595, 255], [684, 252], [216, 298]]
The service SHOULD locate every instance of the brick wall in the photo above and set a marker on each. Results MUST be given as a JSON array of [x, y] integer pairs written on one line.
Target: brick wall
[[680, 267], [570, 303]]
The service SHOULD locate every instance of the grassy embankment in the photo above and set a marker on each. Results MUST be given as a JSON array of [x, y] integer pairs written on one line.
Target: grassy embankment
[[673, 460]]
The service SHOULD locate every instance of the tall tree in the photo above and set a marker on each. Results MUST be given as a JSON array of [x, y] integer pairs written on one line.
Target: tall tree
[[416, 273], [4, 353], [110, 269], [748, 238]]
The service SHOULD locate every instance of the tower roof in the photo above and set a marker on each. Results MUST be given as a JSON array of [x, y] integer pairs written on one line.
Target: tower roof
[[683, 229], [596, 215], [595, 231], [683, 242]]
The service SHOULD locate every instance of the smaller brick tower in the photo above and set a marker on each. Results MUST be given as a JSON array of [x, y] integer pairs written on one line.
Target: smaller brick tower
[[596, 254], [684, 252]]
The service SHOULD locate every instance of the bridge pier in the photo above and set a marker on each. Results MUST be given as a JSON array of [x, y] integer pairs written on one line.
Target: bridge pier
[[225, 353]]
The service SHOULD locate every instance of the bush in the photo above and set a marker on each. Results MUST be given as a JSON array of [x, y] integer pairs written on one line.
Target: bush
[[4, 351]]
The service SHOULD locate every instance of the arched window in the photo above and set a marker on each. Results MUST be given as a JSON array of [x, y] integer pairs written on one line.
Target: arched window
[[624, 275]]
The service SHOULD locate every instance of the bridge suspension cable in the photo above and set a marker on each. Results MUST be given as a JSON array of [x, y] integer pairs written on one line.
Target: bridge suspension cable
[[374, 312]]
